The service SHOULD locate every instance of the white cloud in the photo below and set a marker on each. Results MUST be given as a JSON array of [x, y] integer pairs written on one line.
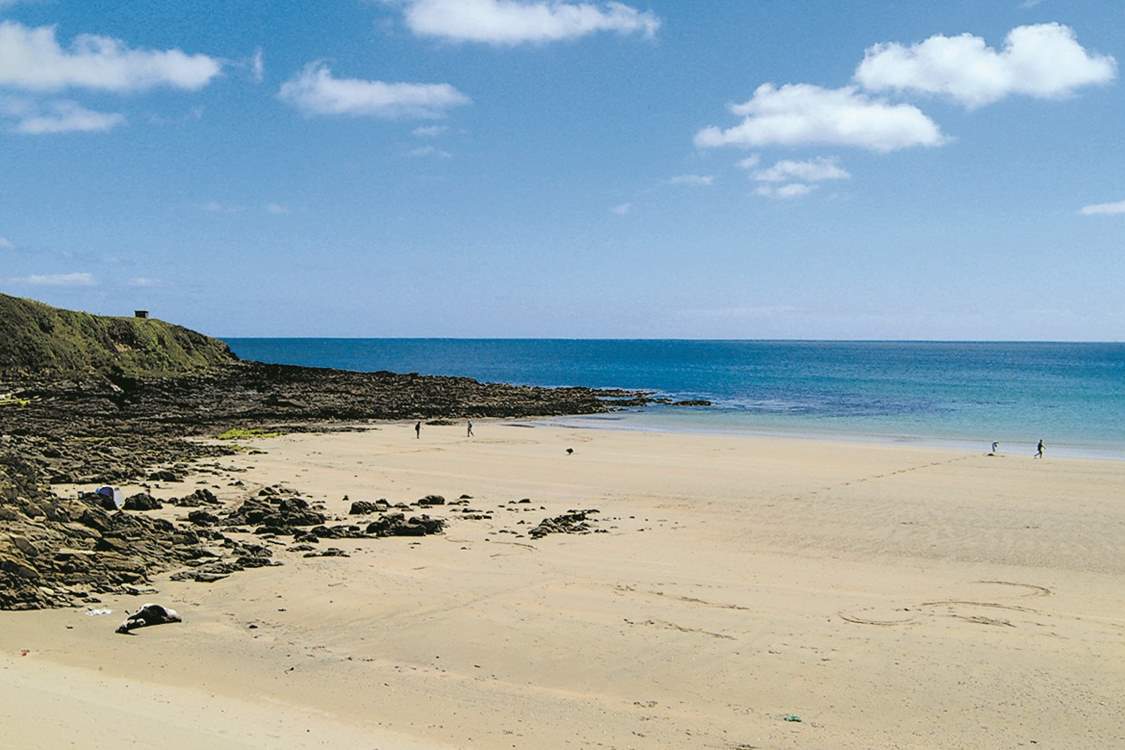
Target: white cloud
[[692, 180], [1103, 209], [792, 190], [6, 244], [1044, 61], [622, 208], [59, 279], [32, 59], [813, 170], [801, 114], [429, 131], [316, 92], [59, 116], [426, 151], [510, 22], [277, 209]]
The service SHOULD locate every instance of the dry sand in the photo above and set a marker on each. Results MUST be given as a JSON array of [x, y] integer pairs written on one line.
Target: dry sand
[[889, 596]]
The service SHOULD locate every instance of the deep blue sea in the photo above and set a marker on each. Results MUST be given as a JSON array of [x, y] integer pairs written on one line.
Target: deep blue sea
[[1071, 395]]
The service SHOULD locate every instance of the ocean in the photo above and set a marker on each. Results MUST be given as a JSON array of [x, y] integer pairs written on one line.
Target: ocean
[[1070, 395]]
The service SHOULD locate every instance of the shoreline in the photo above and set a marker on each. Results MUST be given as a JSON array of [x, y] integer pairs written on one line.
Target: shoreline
[[739, 580], [620, 420]]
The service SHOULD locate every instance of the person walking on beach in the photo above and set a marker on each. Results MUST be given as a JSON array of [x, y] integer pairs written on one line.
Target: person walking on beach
[[469, 428], [418, 429], [1039, 449], [995, 446]]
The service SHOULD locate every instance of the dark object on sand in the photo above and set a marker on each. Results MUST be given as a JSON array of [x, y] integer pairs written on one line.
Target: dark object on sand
[[569, 451], [106, 498], [149, 614], [142, 501]]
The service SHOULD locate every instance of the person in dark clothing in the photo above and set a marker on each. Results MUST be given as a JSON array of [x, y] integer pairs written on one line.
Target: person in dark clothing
[[418, 429], [469, 428], [1039, 449]]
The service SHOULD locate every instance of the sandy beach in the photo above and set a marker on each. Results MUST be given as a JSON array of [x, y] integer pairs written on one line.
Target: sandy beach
[[887, 596]]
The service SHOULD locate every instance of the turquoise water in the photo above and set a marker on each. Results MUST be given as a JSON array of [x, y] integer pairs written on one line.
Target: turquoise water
[[1071, 395]]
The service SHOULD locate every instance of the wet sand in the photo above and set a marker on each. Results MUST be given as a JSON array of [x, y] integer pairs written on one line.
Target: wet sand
[[897, 597]]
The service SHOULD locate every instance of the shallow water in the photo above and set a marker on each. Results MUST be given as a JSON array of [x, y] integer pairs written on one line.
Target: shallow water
[[1071, 395]]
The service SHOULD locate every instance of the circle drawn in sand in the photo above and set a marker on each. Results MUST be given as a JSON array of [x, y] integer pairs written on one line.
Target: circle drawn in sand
[[876, 616], [1030, 590]]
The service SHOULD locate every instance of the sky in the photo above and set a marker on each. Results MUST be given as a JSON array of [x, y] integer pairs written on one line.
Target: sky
[[550, 168]]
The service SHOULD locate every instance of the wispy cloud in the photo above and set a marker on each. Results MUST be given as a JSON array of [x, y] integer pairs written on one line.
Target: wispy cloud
[[801, 114], [59, 279], [258, 66], [429, 131], [691, 180], [6, 244], [1043, 61], [423, 152], [315, 91], [144, 282], [215, 207], [32, 59], [277, 209], [792, 190], [622, 208], [1103, 209], [812, 170], [57, 116], [512, 22]]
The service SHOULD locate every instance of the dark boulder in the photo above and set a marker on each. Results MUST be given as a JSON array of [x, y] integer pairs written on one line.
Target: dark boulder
[[142, 501]]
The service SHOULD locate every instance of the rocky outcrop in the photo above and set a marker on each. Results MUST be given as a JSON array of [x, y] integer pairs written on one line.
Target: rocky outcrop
[[61, 552]]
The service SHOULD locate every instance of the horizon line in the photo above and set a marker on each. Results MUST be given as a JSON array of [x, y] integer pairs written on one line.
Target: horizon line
[[676, 339]]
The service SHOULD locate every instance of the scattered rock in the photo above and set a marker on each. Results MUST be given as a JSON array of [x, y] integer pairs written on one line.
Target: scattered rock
[[571, 522], [142, 501], [328, 552], [366, 507], [395, 524]]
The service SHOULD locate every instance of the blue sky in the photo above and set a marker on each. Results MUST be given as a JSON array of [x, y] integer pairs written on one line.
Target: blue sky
[[728, 169]]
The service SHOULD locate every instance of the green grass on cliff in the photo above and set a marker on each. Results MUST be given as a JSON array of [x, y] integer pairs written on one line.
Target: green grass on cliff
[[40, 340]]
